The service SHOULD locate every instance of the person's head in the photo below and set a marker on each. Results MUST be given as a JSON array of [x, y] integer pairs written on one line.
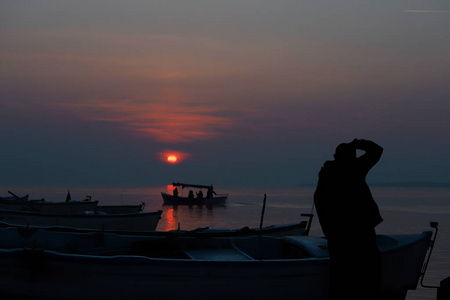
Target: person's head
[[345, 152]]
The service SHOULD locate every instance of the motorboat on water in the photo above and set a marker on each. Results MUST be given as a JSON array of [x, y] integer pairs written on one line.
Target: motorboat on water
[[210, 198]]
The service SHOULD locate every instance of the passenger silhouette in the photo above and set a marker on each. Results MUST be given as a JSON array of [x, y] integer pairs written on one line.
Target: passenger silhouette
[[210, 193], [348, 216]]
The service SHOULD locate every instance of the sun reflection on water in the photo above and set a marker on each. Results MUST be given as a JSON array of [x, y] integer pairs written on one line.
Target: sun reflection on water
[[170, 220]]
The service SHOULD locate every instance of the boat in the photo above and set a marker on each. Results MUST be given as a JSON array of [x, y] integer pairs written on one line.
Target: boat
[[211, 197], [296, 229], [15, 198], [69, 206], [109, 266], [142, 221], [41, 205], [120, 209]]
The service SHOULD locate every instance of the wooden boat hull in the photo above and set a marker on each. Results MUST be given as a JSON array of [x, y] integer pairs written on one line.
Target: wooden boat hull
[[177, 200], [241, 274], [144, 221]]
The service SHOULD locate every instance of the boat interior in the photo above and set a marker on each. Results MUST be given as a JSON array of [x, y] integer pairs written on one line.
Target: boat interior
[[212, 249]]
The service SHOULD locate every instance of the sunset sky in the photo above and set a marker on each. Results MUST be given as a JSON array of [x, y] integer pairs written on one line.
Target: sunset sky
[[242, 93]]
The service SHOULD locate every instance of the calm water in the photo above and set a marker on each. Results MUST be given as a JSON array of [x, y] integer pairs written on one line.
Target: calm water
[[404, 211]]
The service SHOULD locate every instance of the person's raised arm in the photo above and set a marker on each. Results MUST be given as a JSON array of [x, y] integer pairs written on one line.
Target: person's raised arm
[[372, 153]]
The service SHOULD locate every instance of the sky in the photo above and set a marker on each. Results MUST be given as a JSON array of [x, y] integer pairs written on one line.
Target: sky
[[242, 93]]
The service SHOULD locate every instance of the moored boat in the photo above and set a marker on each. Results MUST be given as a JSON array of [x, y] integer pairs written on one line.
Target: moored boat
[[142, 221], [108, 266], [41, 205], [45, 232]]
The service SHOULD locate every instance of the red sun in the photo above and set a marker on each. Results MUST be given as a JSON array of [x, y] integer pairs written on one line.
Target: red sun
[[172, 158]]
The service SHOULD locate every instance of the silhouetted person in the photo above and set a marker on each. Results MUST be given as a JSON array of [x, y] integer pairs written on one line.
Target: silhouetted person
[[200, 195], [348, 216], [191, 195], [175, 192], [210, 193]]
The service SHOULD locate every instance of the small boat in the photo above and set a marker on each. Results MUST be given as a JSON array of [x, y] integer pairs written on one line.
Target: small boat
[[67, 207], [15, 198], [109, 266], [211, 197], [296, 229], [120, 209], [142, 221]]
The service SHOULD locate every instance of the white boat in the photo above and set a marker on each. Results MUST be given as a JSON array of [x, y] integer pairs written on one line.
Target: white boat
[[202, 232], [143, 221], [66, 207], [109, 266]]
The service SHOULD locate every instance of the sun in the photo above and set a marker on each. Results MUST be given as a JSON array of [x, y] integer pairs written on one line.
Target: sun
[[172, 158]]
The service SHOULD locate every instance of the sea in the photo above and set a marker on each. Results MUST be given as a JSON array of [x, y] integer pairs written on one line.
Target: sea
[[404, 210]]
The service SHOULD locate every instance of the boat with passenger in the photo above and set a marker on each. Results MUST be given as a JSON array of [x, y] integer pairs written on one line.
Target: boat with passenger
[[211, 198]]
